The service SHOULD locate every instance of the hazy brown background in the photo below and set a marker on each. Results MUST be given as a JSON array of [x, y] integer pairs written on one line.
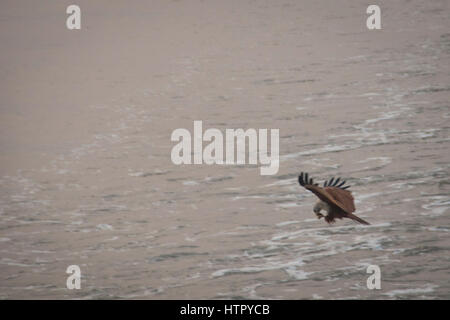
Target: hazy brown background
[[85, 170]]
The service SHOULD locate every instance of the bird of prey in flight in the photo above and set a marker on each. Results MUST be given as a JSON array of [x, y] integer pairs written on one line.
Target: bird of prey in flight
[[333, 198]]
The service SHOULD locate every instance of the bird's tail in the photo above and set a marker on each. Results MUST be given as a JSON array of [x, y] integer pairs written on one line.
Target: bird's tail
[[353, 217]]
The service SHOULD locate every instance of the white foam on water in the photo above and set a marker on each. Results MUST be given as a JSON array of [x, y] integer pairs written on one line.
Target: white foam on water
[[325, 149], [285, 223], [270, 265], [438, 206], [11, 262], [104, 226], [425, 133], [278, 183], [247, 197], [136, 174], [190, 183], [297, 274], [316, 231], [388, 115], [415, 291], [243, 188], [251, 291], [383, 160], [437, 229], [370, 242], [370, 94], [321, 163], [288, 205]]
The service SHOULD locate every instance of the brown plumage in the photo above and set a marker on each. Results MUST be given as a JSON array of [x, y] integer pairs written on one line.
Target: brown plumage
[[334, 199]]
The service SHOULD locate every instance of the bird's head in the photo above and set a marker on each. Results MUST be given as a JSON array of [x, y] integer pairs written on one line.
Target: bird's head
[[320, 205]]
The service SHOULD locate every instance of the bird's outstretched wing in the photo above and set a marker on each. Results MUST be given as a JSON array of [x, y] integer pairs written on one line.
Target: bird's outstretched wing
[[343, 197], [335, 196]]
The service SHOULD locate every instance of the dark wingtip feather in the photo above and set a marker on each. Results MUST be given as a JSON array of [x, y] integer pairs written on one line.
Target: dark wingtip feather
[[341, 184], [303, 179], [346, 187], [336, 182], [300, 179], [331, 182]]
